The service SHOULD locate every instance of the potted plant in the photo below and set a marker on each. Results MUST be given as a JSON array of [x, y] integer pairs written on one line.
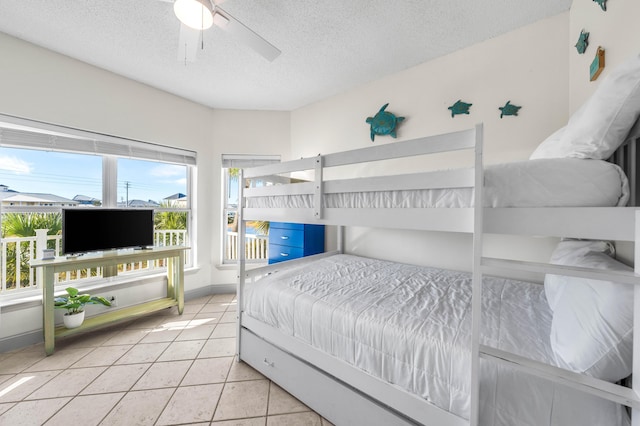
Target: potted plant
[[74, 303]]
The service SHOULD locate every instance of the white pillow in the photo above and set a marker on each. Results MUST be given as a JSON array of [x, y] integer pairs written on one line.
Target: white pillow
[[549, 147], [600, 126], [592, 325], [570, 252]]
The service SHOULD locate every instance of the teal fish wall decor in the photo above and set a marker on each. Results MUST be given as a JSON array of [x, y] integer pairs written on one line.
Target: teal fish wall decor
[[583, 42], [384, 123], [509, 109], [602, 3], [459, 108]]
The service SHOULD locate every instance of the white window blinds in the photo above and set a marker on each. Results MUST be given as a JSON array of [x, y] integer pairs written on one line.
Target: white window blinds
[[21, 133], [242, 161]]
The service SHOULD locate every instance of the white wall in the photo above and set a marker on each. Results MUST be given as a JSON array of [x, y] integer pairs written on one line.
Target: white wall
[[614, 30], [38, 84], [242, 132], [528, 66]]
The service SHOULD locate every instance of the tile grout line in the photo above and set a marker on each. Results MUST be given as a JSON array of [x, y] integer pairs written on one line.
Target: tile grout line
[[215, 409], [43, 384], [175, 389], [229, 310], [268, 400], [114, 406], [166, 404]]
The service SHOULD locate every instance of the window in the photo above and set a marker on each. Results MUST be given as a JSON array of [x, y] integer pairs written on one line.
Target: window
[[48, 178], [257, 232], [162, 187], [143, 183], [45, 168]]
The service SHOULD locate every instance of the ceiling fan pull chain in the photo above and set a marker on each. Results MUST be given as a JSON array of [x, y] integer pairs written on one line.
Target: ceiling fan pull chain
[[202, 32]]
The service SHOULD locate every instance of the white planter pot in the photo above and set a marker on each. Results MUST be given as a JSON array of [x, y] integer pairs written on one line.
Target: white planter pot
[[73, 320]]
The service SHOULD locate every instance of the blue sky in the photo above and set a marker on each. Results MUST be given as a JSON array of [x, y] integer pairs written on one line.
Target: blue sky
[[68, 175]]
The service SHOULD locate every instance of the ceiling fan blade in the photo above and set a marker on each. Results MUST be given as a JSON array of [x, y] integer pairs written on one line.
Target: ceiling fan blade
[[243, 33], [188, 43]]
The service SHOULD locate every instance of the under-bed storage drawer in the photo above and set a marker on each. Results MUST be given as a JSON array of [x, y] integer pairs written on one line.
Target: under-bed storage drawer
[[338, 403], [293, 240]]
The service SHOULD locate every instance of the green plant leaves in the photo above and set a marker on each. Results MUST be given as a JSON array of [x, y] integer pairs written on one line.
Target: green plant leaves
[[74, 302]]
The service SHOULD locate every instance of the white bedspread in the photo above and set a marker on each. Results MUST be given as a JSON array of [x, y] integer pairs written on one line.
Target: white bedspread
[[556, 182], [410, 325]]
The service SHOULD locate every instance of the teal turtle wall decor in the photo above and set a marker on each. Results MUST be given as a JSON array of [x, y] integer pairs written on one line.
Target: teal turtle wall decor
[[602, 3], [459, 108], [509, 109], [384, 123], [583, 42]]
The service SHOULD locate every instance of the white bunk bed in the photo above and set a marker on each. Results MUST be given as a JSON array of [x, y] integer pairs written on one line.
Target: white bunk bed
[[493, 365]]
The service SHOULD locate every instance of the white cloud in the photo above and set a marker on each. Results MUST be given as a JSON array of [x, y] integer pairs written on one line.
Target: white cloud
[[167, 170], [14, 164], [182, 181]]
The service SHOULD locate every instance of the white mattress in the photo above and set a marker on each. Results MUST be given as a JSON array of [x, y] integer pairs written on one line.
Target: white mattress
[[410, 326], [556, 182]]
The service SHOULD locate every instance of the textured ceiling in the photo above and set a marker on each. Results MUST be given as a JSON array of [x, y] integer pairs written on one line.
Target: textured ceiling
[[327, 46]]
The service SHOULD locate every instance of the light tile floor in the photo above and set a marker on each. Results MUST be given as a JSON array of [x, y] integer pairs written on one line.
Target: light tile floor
[[162, 369]]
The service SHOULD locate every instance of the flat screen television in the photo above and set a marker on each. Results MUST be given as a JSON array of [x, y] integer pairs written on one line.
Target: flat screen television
[[86, 230]]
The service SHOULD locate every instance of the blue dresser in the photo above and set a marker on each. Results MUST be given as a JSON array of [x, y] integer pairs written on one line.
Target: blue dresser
[[293, 240]]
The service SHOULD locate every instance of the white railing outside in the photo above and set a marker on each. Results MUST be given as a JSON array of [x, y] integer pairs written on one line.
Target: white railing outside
[[17, 252], [161, 238], [256, 246], [14, 252]]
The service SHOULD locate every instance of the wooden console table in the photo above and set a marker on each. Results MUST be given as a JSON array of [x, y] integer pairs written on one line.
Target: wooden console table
[[109, 261]]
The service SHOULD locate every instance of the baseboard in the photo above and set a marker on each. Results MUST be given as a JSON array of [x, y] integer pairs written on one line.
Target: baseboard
[[32, 337], [21, 341], [209, 290]]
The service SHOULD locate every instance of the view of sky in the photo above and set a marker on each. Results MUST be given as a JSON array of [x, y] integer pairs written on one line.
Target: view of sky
[[68, 175]]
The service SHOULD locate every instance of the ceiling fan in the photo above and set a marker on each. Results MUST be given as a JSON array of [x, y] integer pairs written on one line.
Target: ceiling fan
[[198, 15]]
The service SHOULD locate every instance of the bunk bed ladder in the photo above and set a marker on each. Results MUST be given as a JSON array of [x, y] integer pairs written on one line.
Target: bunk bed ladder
[[610, 391], [318, 190]]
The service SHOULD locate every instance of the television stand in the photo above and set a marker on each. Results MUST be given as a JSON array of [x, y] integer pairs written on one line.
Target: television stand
[[109, 261]]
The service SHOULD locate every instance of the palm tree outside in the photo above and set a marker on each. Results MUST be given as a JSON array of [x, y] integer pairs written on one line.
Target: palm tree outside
[[260, 227], [25, 224], [22, 225], [170, 220]]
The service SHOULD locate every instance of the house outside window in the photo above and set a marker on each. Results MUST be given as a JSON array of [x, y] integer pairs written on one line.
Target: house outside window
[[43, 171], [257, 232], [161, 187]]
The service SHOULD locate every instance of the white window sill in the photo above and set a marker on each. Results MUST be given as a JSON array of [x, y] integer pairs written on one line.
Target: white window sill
[[234, 266]]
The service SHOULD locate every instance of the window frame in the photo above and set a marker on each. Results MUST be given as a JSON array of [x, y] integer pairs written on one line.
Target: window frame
[[110, 148], [238, 161]]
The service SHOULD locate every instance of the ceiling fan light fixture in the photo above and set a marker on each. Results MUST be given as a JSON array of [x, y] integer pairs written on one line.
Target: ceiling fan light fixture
[[220, 20], [197, 14]]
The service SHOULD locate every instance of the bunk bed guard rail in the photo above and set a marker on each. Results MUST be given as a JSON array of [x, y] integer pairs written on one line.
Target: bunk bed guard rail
[[449, 219]]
